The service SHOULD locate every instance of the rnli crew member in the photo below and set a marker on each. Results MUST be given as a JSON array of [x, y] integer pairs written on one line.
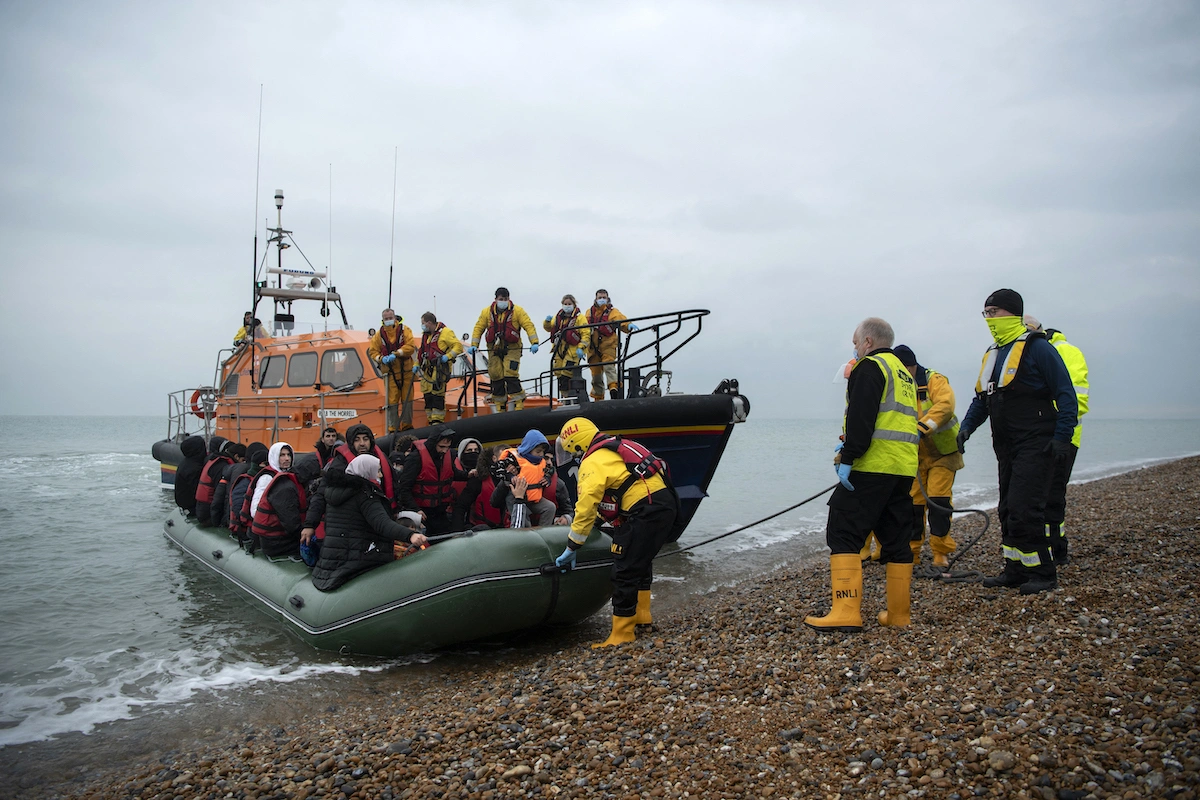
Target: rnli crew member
[[1026, 391], [251, 328], [359, 529], [360, 441], [210, 493], [500, 324], [571, 338], [426, 483], [326, 445], [1056, 502], [439, 346], [628, 486], [392, 348], [875, 467], [241, 478], [280, 515], [206, 484], [187, 474], [602, 350], [937, 459]]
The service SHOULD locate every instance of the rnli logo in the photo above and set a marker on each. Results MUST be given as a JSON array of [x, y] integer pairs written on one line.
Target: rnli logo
[[905, 377], [845, 594], [570, 431], [616, 549]]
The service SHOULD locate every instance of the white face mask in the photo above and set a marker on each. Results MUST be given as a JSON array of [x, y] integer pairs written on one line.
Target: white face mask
[[601, 301], [502, 305], [428, 328], [388, 323], [568, 308]]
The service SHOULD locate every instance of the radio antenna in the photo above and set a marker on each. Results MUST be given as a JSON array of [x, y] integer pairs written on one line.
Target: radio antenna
[[392, 258], [254, 266], [329, 269]]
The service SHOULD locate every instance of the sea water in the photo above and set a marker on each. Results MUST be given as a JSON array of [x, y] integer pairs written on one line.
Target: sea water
[[104, 619]]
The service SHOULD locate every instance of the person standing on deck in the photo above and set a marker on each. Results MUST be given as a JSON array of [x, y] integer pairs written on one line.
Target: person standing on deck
[[392, 349], [439, 347], [500, 325], [603, 345], [570, 338]]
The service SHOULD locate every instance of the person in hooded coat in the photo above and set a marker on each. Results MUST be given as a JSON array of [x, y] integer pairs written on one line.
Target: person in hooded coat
[[216, 464], [219, 512], [360, 440], [240, 479], [280, 514], [187, 474], [426, 483], [529, 459], [359, 529]]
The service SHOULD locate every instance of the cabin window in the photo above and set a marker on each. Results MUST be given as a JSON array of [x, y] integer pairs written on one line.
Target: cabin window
[[302, 371], [271, 374], [341, 368], [231, 385]]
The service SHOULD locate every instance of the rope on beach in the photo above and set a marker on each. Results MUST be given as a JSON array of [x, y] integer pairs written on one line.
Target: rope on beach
[[948, 575], [745, 527]]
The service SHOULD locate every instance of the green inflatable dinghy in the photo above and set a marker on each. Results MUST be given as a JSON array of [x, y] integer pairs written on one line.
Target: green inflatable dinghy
[[466, 588]]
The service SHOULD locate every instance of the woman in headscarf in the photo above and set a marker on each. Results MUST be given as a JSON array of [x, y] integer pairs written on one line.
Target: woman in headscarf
[[359, 531]]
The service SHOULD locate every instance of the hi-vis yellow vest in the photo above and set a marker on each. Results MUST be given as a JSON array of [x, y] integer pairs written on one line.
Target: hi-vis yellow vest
[[985, 385], [893, 449], [945, 438], [1072, 356]]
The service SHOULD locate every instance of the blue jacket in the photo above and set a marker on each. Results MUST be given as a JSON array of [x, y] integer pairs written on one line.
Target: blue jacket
[[1042, 369]]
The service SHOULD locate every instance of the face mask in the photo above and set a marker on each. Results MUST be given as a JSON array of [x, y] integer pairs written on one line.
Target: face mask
[[388, 323], [568, 308], [1005, 329], [427, 328], [502, 305], [854, 354], [469, 460], [601, 301]]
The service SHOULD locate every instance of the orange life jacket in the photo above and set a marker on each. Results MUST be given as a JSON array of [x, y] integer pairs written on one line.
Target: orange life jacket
[[534, 474], [266, 521]]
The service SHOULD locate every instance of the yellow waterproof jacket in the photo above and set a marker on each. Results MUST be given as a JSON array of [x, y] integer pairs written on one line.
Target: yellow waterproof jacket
[[403, 348], [562, 348], [1077, 368], [447, 344], [935, 413], [244, 333], [519, 318], [605, 347], [600, 472]]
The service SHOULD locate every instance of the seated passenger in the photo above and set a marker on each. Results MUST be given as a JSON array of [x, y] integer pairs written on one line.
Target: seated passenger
[[278, 514], [218, 516], [359, 529], [529, 461], [326, 445], [209, 474], [187, 474], [426, 484], [313, 533], [241, 478], [359, 440], [473, 509], [401, 447], [521, 511], [250, 324]]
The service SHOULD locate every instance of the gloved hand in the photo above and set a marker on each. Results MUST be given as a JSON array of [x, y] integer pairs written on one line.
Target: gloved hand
[[549, 318], [843, 473], [633, 328], [471, 350], [961, 440], [416, 369], [533, 348], [445, 358], [567, 559], [1059, 450], [839, 447], [389, 358], [579, 352]]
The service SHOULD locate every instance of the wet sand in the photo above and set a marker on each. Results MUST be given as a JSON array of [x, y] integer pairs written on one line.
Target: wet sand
[[1089, 691]]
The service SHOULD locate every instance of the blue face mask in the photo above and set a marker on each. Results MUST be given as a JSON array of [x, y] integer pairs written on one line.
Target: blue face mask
[[601, 301], [502, 305], [855, 356]]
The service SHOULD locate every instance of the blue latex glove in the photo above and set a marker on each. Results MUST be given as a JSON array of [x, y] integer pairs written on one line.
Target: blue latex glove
[[471, 350], [633, 328], [388, 359], [567, 559], [579, 352], [843, 473], [416, 369], [533, 348], [445, 358], [548, 318], [839, 447]]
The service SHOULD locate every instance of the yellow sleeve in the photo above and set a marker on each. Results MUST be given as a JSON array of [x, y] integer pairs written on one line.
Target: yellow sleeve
[[548, 325], [525, 323], [407, 350], [584, 333], [375, 348], [592, 484], [942, 397], [451, 346], [1078, 370], [616, 316], [241, 334], [480, 325]]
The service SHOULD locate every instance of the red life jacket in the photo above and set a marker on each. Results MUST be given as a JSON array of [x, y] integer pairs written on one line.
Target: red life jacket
[[483, 512], [434, 487], [387, 347], [266, 521], [502, 324], [564, 329], [244, 518], [204, 492], [429, 355], [459, 485], [641, 464], [385, 467], [593, 318]]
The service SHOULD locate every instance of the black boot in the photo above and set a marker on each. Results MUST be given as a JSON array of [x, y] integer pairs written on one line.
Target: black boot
[[615, 394], [1008, 579], [1039, 583]]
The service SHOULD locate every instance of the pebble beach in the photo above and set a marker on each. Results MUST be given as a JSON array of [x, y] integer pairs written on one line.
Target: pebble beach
[[1090, 691]]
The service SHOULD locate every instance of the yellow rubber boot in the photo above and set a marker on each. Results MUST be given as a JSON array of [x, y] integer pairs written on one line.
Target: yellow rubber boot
[[899, 596], [622, 632], [642, 617], [916, 546], [942, 547], [865, 553], [845, 571]]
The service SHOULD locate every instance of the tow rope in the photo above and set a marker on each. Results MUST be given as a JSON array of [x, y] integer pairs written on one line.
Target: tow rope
[[949, 575]]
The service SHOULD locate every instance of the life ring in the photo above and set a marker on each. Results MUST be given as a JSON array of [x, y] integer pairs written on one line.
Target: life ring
[[204, 403]]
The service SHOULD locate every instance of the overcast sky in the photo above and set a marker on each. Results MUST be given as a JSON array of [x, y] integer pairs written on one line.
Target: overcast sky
[[793, 167]]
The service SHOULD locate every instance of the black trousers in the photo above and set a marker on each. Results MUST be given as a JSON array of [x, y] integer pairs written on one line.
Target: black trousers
[[1056, 504], [437, 521], [636, 541], [880, 503], [1025, 470]]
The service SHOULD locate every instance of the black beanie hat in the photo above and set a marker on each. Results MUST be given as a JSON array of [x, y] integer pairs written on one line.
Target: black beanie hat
[[905, 354], [256, 452], [1008, 300]]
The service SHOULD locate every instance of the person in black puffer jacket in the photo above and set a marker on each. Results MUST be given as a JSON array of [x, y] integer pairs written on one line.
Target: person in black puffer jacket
[[187, 474], [359, 531]]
